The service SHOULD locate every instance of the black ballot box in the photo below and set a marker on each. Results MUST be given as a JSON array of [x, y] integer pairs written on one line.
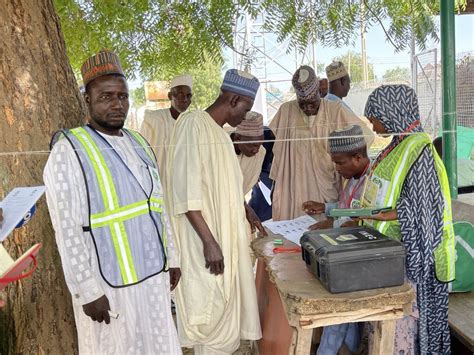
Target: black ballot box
[[353, 258]]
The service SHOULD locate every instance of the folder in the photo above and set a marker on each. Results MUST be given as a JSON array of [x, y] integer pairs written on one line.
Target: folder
[[24, 266]]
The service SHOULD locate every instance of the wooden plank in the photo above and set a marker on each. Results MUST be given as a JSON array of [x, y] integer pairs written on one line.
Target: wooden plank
[[331, 320], [461, 317], [384, 335], [301, 342]]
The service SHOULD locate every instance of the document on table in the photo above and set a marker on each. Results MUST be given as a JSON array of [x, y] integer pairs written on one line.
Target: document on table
[[291, 229], [16, 205]]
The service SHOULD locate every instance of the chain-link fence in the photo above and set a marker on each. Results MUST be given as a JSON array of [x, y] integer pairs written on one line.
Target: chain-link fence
[[428, 87]]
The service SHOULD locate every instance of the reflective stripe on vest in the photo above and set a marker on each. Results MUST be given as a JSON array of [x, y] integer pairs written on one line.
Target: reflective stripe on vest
[[394, 168], [115, 215], [143, 143], [155, 203]]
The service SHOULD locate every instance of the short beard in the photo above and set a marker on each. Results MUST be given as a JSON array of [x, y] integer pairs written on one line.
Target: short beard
[[107, 125]]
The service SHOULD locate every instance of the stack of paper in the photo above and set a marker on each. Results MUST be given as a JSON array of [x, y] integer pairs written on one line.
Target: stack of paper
[[291, 229], [16, 205]]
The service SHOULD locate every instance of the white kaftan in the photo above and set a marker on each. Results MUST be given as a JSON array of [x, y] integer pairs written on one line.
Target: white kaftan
[[214, 312], [145, 324], [156, 127], [251, 168], [302, 168]]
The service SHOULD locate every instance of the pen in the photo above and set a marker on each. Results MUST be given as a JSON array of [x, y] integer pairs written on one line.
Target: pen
[[113, 315]]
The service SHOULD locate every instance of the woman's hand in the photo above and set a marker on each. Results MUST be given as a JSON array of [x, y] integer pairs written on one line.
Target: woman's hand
[[384, 216], [313, 207]]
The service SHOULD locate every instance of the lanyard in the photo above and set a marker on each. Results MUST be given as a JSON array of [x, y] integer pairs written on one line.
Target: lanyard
[[348, 202]]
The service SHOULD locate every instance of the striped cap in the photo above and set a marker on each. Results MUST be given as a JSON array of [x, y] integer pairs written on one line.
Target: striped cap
[[251, 126], [305, 82], [241, 83], [347, 140], [103, 63], [336, 70]]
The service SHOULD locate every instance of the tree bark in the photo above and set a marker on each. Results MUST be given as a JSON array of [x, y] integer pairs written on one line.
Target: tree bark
[[38, 95]]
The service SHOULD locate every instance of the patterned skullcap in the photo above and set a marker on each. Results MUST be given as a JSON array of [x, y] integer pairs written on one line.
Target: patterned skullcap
[[305, 82], [336, 70], [347, 140], [182, 80], [241, 83], [252, 126], [103, 63]]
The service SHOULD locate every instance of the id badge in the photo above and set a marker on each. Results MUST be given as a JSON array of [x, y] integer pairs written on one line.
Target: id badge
[[157, 191], [371, 191]]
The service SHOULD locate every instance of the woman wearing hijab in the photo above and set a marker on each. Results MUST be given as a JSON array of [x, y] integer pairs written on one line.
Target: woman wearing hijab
[[410, 177]]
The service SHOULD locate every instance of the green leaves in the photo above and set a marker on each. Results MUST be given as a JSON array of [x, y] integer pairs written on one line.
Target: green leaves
[[161, 38], [154, 39]]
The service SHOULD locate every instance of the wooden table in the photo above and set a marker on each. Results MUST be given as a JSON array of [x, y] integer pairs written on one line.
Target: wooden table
[[461, 318], [292, 302]]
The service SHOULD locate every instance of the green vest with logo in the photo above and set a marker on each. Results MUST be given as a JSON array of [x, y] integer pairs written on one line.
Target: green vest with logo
[[384, 186]]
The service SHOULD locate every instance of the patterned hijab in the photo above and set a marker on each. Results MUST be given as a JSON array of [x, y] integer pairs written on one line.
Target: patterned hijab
[[395, 106]]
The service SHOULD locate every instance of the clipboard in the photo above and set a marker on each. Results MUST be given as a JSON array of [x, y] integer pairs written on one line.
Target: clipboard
[[15, 270], [357, 212]]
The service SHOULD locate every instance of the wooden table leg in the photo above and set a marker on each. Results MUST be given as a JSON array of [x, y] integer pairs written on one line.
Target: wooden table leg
[[384, 336], [301, 342]]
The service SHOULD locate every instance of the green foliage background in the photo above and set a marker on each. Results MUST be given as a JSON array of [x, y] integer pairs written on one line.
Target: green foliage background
[[397, 73], [156, 38], [353, 62]]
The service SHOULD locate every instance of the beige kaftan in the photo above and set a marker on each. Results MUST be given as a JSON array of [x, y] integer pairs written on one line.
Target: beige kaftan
[[213, 312], [156, 128], [251, 168], [302, 168]]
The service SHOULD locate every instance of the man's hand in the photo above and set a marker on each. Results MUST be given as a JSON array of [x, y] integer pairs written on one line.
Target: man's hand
[[254, 221], [328, 223], [175, 275], [98, 310], [313, 207], [352, 223], [214, 258], [1, 217]]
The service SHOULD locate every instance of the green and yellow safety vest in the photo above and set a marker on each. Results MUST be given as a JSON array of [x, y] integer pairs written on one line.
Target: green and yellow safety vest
[[383, 189], [125, 221]]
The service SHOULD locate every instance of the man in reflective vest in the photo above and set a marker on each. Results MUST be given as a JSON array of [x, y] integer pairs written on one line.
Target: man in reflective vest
[[106, 205]]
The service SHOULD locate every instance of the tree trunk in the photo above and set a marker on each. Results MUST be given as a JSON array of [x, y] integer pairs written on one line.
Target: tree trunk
[[38, 95]]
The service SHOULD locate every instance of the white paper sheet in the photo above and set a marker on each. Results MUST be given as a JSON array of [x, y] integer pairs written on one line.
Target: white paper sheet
[[266, 192], [291, 229], [16, 205]]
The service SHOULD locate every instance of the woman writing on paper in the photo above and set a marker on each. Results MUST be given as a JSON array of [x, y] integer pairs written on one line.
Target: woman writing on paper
[[409, 176]]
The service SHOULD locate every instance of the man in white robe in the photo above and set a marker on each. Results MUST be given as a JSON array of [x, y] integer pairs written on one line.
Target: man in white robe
[[157, 125], [302, 168], [248, 138], [216, 301], [134, 318]]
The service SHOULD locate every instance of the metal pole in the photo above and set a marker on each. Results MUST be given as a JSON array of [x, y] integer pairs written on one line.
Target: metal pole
[[448, 62], [365, 71], [413, 61]]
